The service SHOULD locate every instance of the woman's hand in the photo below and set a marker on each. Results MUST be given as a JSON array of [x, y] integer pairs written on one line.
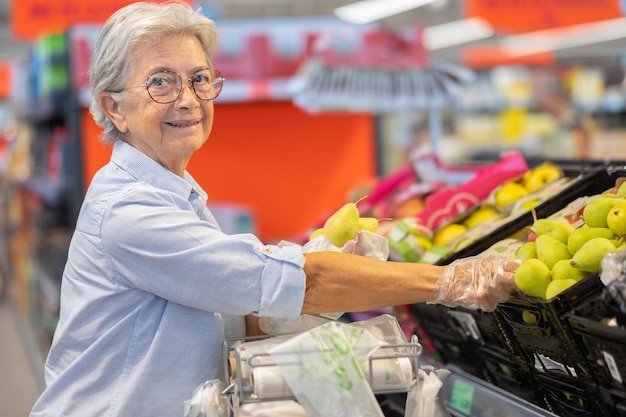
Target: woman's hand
[[477, 282]]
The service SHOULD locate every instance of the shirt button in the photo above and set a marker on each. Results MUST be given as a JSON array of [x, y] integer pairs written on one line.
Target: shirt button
[[267, 250]]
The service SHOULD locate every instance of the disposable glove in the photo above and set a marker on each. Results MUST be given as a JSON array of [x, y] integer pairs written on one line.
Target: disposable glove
[[477, 283]]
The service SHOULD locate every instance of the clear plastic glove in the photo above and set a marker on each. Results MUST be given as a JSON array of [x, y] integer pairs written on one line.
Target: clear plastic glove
[[478, 282]]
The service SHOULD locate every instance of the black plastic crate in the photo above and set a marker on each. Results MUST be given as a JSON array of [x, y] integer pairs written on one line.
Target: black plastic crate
[[603, 344], [511, 374], [613, 402], [567, 398], [549, 345], [483, 328], [588, 181]]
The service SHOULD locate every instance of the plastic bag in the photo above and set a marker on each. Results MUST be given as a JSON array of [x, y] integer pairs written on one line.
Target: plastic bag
[[423, 399], [613, 276], [365, 243], [207, 401], [324, 369]]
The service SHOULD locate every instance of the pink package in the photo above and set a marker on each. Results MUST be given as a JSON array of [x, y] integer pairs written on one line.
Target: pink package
[[450, 202]]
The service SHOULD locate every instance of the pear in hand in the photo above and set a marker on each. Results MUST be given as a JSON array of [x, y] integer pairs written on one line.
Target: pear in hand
[[532, 277], [368, 223], [584, 233], [551, 250], [589, 257], [558, 229], [343, 224]]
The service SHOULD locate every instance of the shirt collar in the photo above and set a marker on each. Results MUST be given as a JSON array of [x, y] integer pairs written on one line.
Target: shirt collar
[[146, 169]]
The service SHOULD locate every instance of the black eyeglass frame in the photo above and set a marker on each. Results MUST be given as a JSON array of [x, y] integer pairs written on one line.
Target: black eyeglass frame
[[218, 79]]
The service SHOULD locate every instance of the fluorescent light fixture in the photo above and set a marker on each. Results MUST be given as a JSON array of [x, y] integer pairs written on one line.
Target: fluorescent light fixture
[[368, 11], [565, 37], [457, 32]]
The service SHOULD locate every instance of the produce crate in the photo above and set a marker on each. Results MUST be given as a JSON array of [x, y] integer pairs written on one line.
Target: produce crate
[[549, 345], [484, 329], [614, 402], [567, 398], [450, 341], [585, 182], [511, 374], [604, 344]]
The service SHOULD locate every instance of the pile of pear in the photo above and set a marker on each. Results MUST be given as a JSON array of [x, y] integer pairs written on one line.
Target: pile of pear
[[559, 255], [344, 224]]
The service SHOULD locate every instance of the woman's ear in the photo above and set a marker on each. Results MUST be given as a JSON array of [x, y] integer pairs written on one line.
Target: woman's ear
[[111, 108]]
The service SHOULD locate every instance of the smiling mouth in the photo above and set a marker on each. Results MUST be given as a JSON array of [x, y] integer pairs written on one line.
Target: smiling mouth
[[185, 124]]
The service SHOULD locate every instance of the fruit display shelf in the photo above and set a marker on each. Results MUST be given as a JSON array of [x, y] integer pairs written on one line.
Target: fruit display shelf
[[583, 182]]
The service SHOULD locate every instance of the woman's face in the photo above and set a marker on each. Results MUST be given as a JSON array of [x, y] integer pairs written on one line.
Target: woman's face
[[168, 133]]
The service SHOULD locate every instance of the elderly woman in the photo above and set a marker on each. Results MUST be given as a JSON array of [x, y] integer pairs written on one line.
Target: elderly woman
[[152, 286]]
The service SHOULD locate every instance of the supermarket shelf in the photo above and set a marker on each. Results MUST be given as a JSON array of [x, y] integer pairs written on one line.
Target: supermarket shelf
[[467, 396]]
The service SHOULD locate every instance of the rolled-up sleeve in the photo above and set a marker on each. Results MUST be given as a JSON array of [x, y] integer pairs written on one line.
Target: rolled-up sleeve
[[157, 244]]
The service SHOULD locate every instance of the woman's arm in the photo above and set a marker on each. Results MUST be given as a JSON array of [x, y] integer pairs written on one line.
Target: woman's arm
[[345, 282]]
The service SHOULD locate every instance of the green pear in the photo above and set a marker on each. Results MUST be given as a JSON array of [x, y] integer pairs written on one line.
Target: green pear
[[563, 269], [558, 286], [596, 211], [588, 258], [342, 225], [526, 251], [532, 277], [621, 190], [616, 219], [529, 317], [317, 232], [584, 233], [368, 223], [558, 229], [550, 250]]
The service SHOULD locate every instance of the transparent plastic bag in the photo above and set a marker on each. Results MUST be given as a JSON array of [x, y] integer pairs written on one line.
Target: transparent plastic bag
[[613, 276], [207, 401], [365, 243]]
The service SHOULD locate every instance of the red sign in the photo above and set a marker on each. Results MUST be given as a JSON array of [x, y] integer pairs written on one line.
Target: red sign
[[515, 16], [30, 19]]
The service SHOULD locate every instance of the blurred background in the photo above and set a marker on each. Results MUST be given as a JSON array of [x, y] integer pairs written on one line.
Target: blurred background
[[333, 95]]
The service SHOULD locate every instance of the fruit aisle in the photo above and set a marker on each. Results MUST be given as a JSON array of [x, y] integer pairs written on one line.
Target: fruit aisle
[[558, 343]]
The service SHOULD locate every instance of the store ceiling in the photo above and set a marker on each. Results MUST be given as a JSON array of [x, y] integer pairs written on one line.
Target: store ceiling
[[439, 12]]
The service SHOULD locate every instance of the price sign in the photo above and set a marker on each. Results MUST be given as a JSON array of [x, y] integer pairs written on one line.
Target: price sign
[[462, 397]]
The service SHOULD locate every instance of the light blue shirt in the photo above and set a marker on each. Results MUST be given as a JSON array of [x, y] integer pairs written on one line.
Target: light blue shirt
[[151, 289]]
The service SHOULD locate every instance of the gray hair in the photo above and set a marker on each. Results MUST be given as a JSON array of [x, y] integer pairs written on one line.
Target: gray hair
[[124, 33]]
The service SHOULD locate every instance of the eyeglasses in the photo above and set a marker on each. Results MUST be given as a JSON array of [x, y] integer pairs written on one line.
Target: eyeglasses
[[166, 86]]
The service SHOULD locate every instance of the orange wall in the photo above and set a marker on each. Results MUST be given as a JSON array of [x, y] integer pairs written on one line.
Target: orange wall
[[289, 167]]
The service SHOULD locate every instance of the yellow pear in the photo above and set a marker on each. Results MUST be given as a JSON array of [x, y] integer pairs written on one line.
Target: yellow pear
[[550, 250], [596, 211], [317, 232], [532, 277], [480, 215], [541, 175], [368, 223], [343, 224], [558, 286], [564, 269], [589, 257], [448, 233], [616, 219], [584, 233], [509, 193], [526, 251], [558, 229]]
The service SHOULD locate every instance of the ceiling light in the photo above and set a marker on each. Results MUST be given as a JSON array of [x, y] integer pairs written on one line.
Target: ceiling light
[[456, 33], [565, 37], [368, 11]]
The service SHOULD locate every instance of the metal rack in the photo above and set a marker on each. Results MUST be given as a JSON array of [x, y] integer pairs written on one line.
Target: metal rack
[[238, 369]]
